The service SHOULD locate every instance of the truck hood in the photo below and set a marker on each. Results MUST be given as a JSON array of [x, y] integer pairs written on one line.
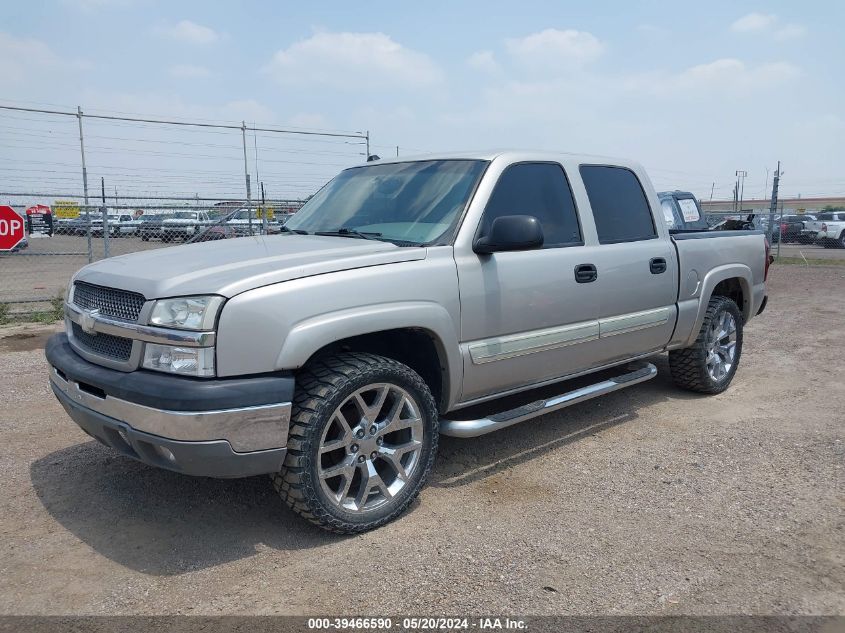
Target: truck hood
[[229, 267]]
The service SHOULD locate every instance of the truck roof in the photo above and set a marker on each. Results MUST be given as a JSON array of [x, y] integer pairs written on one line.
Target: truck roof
[[516, 155]]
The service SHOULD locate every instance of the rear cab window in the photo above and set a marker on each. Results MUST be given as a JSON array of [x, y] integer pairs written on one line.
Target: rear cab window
[[541, 190], [620, 207]]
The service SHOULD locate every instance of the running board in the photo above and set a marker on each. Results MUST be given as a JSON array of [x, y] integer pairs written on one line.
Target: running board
[[474, 428]]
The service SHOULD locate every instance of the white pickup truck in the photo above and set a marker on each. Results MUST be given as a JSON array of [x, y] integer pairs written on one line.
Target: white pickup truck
[[405, 300], [828, 229]]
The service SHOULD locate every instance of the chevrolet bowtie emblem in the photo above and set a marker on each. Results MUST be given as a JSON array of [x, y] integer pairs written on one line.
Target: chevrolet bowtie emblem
[[87, 320]]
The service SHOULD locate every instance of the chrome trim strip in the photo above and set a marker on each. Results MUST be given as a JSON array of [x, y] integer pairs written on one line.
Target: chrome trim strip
[[633, 322], [482, 426], [146, 333], [513, 345], [246, 428], [502, 347]]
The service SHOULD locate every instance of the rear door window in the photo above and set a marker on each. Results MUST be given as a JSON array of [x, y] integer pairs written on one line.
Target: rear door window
[[620, 208]]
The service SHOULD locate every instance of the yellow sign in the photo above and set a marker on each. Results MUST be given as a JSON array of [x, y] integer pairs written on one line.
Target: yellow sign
[[65, 209], [270, 211]]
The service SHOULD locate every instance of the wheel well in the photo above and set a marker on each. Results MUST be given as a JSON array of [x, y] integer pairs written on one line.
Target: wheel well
[[416, 348], [732, 289]]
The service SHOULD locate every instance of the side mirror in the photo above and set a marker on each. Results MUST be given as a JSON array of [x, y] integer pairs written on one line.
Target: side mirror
[[510, 233]]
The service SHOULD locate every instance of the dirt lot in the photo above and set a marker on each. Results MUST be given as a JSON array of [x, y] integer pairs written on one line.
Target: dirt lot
[[649, 501]]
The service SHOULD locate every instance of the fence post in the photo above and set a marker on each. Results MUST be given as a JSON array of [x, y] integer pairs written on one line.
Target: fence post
[[105, 220], [85, 183], [246, 177]]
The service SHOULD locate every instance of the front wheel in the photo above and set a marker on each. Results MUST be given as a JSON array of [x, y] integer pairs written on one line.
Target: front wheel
[[711, 363], [362, 442]]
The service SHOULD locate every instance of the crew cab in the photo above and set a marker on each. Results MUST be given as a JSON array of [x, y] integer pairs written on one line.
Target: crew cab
[[404, 301], [828, 229]]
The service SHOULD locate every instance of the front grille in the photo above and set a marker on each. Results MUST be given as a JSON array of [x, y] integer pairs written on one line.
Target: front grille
[[111, 302], [115, 347]]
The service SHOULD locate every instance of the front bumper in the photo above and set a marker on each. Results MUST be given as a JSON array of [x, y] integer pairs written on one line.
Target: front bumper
[[213, 428]]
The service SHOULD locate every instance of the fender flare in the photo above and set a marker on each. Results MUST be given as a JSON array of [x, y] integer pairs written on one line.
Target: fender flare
[[742, 273], [307, 337]]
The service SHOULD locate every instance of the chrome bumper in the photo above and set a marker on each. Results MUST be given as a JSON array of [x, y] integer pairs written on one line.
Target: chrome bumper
[[245, 429]]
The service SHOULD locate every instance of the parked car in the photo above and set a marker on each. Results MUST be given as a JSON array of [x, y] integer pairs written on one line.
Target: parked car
[[149, 226], [74, 226], [791, 228], [828, 229], [216, 232], [247, 222], [404, 293], [681, 211], [183, 225], [119, 225]]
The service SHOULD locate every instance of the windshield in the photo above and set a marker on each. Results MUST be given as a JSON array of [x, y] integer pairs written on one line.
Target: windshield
[[184, 215], [416, 202]]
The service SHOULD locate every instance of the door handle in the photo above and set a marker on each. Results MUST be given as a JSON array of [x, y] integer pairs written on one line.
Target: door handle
[[657, 265], [585, 273]]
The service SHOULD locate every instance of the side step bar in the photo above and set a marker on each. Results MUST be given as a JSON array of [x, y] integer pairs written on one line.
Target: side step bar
[[474, 428]]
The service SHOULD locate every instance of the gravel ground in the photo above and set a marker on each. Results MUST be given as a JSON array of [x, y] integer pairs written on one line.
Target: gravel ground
[[648, 501]]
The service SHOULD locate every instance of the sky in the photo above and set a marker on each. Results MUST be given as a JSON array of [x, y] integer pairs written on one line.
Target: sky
[[694, 91]]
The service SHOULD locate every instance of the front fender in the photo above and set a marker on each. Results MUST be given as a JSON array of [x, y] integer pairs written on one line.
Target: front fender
[[307, 337]]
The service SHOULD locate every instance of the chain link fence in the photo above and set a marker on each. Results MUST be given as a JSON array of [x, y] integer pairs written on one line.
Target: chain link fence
[[35, 275]]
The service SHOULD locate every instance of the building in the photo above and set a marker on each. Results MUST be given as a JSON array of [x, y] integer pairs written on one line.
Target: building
[[791, 206]]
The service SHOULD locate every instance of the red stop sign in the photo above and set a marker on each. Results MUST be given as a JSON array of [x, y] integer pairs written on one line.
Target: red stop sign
[[11, 228]]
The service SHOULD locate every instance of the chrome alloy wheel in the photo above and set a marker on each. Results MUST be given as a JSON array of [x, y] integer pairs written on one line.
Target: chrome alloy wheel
[[370, 447], [721, 351]]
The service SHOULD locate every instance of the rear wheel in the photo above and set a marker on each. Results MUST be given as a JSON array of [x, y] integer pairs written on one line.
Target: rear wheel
[[711, 363], [362, 442]]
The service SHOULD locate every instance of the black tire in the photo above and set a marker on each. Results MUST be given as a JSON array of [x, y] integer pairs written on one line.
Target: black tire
[[320, 389], [841, 240], [689, 366]]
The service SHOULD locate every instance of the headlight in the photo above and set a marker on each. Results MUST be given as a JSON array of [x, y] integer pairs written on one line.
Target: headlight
[[187, 361], [187, 313]]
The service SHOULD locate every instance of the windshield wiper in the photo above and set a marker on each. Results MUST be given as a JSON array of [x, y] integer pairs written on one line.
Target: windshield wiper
[[285, 229], [347, 232]]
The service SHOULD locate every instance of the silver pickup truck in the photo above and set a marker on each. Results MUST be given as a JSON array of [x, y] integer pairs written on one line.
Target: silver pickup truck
[[405, 300]]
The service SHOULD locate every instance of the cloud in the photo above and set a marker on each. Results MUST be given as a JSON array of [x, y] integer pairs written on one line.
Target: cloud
[[187, 31], [25, 58], [790, 32], [754, 22], [351, 60], [484, 61], [768, 23], [188, 71], [734, 72], [554, 49], [726, 77]]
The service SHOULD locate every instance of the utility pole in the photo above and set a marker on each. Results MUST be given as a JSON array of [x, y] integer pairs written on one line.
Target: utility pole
[[397, 151], [84, 182], [712, 187], [246, 177], [105, 218], [263, 210], [368, 147], [774, 203], [741, 174]]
